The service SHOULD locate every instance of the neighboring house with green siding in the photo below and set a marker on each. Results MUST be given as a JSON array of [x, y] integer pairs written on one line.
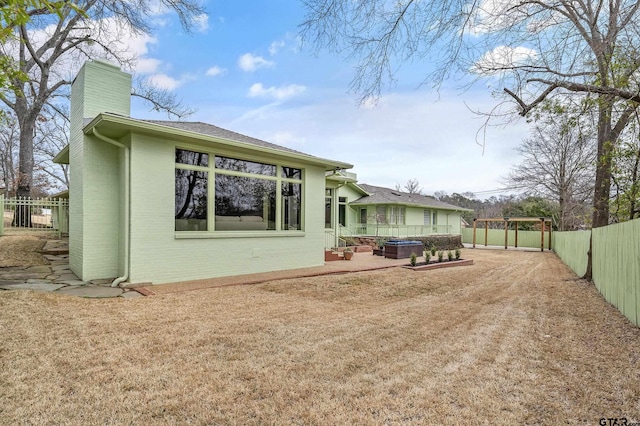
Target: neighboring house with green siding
[[160, 201], [367, 210]]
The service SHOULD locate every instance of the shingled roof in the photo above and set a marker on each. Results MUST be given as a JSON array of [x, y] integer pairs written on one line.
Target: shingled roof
[[380, 195], [219, 132]]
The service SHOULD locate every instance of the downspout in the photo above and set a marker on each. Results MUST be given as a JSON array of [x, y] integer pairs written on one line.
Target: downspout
[[125, 276]]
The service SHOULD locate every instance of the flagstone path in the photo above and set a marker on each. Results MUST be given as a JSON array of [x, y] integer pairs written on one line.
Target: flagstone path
[[57, 277]]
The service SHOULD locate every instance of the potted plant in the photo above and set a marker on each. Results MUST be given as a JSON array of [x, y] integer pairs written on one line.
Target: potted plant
[[380, 250], [348, 253]]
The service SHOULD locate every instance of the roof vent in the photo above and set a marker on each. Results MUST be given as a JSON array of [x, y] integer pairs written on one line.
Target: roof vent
[[396, 193]]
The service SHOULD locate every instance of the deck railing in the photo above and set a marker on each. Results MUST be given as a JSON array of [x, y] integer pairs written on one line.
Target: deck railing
[[332, 241], [396, 231], [34, 214]]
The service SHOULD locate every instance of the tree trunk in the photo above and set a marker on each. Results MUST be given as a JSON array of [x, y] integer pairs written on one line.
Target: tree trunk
[[603, 166], [25, 165], [562, 207], [22, 217], [602, 187], [588, 275]]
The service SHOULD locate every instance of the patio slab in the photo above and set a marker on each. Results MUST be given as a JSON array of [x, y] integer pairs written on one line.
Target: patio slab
[[92, 292], [40, 286], [360, 262]]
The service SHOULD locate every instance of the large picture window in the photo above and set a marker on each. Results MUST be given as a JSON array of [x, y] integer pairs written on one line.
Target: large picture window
[[191, 200], [235, 194], [244, 204]]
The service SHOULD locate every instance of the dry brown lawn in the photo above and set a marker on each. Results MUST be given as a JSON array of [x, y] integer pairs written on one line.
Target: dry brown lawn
[[516, 338], [22, 249]]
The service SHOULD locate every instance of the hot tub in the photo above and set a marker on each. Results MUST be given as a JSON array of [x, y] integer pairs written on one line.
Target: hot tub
[[396, 249]]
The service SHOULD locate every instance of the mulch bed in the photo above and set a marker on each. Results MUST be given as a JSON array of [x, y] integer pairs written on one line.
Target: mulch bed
[[422, 266]]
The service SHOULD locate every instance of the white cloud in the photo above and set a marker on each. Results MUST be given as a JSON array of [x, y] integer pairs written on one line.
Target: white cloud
[[370, 102], [201, 23], [257, 90], [147, 65], [495, 15], [275, 47], [215, 71], [249, 62], [132, 48], [405, 136], [503, 57], [163, 81]]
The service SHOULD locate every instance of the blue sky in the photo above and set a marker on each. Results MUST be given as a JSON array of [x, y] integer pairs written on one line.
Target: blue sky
[[243, 68]]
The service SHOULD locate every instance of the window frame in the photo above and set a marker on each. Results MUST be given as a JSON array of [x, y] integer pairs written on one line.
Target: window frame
[[342, 210], [328, 208], [397, 215], [212, 171]]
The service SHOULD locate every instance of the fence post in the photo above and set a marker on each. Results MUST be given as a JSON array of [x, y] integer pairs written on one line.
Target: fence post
[[1, 215]]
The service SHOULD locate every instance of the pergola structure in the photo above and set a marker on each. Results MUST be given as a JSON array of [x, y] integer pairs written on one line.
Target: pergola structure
[[542, 220]]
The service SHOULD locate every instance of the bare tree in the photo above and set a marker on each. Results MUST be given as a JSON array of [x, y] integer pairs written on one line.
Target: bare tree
[[46, 175], [45, 47], [51, 136], [8, 154], [535, 49], [14, 13], [558, 164], [412, 186]]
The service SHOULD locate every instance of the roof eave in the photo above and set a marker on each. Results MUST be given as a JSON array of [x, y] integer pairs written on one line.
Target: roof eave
[[131, 124], [364, 203], [63, 156]]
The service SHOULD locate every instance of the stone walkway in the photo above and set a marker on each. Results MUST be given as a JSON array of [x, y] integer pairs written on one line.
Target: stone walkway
[[57, 277]]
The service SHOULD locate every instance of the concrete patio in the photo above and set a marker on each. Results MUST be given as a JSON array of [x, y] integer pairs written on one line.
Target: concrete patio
[[58, 278]]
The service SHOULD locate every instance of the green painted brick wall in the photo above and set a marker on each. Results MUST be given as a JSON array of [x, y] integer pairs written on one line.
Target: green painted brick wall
[[95, 177], [159, 257]]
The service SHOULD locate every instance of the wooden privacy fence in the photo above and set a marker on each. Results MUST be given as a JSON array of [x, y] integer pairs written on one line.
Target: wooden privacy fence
[[615, 262], [34, 214], [545, 223], [495, 237]]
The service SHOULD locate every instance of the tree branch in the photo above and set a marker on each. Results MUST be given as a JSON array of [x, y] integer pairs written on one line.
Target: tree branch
[[527, 108]]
